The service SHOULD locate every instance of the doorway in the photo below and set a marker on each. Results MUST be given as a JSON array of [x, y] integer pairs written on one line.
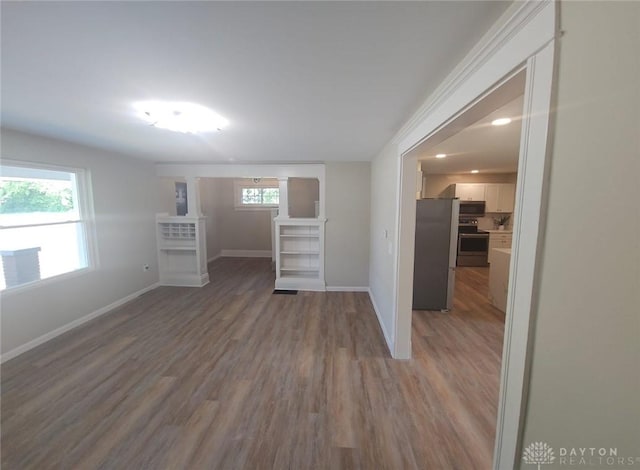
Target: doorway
[[519, 46], [461, 261]]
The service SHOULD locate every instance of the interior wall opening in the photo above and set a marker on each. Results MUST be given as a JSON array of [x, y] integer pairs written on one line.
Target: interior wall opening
[[465, 203]]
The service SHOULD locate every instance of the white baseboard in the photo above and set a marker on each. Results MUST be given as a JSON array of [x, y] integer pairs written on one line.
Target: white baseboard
[[347, 289], [184, 280], [382, 327], [213, 258], [75, 323], [246, 253]]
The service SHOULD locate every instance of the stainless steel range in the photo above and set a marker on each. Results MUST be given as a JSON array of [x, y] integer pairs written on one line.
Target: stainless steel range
[[473, 244]]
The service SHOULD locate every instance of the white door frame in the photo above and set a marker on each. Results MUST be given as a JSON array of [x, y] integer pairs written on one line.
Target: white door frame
[[526, 40]]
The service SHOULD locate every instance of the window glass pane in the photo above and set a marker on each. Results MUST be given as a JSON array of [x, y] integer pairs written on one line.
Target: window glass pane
[[260, 196], [251, 196], [33, 196], [270, 196], [32, 253]]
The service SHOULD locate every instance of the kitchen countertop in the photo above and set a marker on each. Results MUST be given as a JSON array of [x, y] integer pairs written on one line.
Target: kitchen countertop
[[498, 231], [503, 250]]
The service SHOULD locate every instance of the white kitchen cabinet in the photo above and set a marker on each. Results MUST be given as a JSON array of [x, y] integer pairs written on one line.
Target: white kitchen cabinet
[[465, 191], [470, 191], [182, 251], [498, 239], [300, 254], [499, 197]]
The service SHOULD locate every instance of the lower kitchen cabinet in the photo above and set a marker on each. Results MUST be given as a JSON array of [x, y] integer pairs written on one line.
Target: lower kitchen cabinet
[[498, 239], [499, 278]]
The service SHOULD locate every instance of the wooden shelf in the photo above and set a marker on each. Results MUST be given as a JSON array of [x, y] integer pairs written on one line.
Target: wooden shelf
[[300, 275], [302, 235], [178, 248]]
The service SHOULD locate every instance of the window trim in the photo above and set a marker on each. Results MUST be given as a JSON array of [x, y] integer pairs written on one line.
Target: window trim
[[240, 184], [86, 217]]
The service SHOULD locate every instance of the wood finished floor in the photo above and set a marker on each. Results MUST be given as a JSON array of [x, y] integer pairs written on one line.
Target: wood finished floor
[[230, 376]]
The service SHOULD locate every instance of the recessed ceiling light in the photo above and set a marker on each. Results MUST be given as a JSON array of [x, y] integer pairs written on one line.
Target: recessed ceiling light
[[441, 155], [475, 171], [180, 116], [500, 122]]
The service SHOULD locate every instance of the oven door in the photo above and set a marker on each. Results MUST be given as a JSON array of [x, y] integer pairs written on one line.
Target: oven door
[[473, 244]]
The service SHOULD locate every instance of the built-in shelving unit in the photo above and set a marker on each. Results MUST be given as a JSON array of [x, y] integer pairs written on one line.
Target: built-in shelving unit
[[300, 254], [182, 253]]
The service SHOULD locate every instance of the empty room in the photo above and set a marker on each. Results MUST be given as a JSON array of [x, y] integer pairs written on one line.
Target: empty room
[[319, 235]]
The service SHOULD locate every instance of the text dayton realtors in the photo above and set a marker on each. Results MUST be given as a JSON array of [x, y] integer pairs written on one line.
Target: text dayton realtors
[[594, 456]]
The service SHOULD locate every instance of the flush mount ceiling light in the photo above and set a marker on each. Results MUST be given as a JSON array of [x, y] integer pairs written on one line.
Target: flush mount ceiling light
[[475, 171], [500, 122], [188, 118], [441, 155]]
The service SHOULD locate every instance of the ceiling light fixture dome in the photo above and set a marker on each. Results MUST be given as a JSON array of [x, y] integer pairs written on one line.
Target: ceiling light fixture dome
[[441, 155], [188, 118], [501, 122]]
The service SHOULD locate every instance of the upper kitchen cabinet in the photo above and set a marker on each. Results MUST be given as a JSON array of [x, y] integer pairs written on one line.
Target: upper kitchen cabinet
[[465, 191], [499, 197]]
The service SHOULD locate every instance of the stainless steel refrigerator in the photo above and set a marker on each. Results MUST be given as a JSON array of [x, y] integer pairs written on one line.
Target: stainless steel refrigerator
[[436, 242]]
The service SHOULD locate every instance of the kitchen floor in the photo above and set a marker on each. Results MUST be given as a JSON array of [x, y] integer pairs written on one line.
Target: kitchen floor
[[462, 351]]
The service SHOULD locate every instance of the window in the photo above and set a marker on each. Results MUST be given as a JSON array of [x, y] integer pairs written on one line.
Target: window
[[257, 193], [43, 223], [260, 196]]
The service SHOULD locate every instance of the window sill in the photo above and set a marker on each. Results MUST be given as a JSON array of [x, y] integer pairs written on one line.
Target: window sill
[[44, 282], [255, 208]]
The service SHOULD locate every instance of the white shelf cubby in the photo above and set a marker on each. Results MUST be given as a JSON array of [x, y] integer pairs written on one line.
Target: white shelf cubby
[[182, 251]]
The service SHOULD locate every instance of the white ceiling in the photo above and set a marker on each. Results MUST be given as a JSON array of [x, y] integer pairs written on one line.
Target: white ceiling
[[307, 81], [490, 149], [472, 143]]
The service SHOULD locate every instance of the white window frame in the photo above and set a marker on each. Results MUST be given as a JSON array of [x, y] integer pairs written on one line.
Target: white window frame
[[240, 184], [86, 219]]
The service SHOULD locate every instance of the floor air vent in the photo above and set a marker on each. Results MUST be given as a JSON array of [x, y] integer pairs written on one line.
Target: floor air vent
[[285, 292]]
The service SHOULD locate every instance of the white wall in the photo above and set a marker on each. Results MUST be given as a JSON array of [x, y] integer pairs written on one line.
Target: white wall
[[384, 205], [585, 377], [168, 194], [303, 194], [347, 227], [232, 229], [210, 203], [125, 196]]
